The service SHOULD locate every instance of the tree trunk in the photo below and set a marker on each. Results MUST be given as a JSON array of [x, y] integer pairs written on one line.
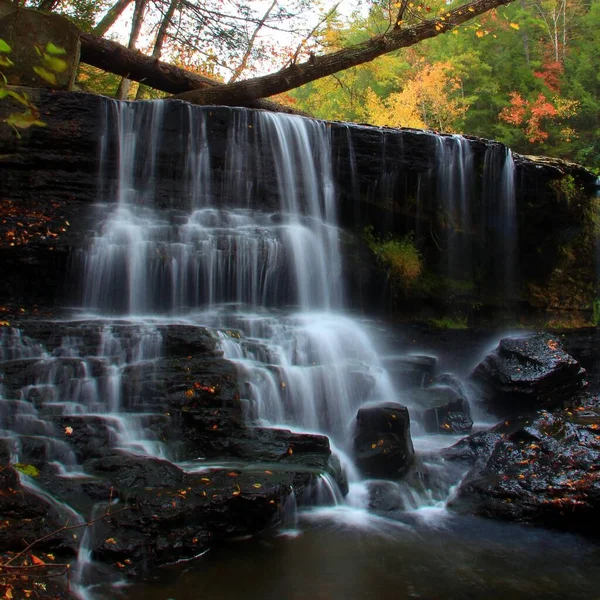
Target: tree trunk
[[110, 18], [160, 39], [242, 92], [116, 58], [136, 27]]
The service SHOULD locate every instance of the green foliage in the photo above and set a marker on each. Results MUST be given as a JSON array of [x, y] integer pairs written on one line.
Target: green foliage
[[450, 322], [596, 312], [51, 65], [543, 54], [17, 120], [28, 470], [399, 256], [567, 188]]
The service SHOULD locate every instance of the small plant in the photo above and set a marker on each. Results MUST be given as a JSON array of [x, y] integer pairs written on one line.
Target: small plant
[[399, 256], [454, 322], [567, 188], [596, 312]]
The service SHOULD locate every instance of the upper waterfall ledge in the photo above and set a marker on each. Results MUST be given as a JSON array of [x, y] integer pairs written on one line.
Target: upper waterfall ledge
[[495, 232]]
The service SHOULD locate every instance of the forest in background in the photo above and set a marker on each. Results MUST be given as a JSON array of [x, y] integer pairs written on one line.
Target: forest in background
[[525, 74]]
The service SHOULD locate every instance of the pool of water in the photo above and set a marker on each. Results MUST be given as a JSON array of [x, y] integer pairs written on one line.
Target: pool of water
[[349, 554]]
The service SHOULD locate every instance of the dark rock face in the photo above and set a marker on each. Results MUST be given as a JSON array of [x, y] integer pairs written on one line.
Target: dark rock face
[[160, 525], [382, 443], [527, 373], [152, 511], [386, 178], [413, 371], [542, 469], [445, 410], [26, 517]]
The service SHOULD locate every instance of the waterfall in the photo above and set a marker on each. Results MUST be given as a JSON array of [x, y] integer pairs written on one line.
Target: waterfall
[[225, 253]]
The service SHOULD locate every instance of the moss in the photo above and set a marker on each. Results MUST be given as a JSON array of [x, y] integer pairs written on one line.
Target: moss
[[567, 188], [457, 321], [596, 312], [398, 256]]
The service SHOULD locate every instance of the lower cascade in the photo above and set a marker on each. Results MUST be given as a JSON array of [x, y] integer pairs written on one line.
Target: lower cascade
[[211, 383]]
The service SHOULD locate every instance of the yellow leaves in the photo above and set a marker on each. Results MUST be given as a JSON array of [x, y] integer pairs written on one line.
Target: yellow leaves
[[8, 594], [24, 120], [46, 75], [189, 393], [29, 470], [4, 324], [428, 98], [68, 431], [514, 25], [257, 485], [471, 9], [110, 540], [479, 33]]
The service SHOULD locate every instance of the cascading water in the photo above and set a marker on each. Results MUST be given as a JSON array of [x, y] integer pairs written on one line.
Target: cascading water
[[302, 366], [455, 198]]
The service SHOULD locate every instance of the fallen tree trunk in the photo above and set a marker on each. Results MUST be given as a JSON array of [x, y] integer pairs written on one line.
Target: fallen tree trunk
[[116, 58], [320, 66]]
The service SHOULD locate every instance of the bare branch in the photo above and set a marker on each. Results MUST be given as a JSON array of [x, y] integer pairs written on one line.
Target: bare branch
[[242, 66], [110, 18], [312, 32], [241, 92]]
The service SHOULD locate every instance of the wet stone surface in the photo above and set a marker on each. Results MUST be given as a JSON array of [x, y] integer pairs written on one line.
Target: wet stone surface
[[543, 469], [527, 373]]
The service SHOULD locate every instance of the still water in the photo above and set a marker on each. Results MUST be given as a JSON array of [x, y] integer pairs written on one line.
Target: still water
[[344, 553]]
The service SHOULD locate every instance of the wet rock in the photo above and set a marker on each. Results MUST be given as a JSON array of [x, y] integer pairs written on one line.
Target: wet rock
[[126, 471], [382, 443], [87, 436], [473, 450], [160, 525], [541, 469], [27, 516], [445, 411], [527, 373], [413, 371]]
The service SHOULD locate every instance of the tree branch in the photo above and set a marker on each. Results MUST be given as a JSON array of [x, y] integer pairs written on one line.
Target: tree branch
[[242, 92], [241, 67]]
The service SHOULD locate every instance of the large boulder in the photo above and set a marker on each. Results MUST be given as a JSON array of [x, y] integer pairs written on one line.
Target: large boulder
[[443, 409], [382, 443], [542, 469], [528, 372], [411, 371]]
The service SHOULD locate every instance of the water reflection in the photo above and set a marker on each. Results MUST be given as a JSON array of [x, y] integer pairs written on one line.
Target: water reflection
[[428, 554]]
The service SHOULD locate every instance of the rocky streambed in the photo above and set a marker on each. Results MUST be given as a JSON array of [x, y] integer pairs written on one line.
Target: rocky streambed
[[177, 467]]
